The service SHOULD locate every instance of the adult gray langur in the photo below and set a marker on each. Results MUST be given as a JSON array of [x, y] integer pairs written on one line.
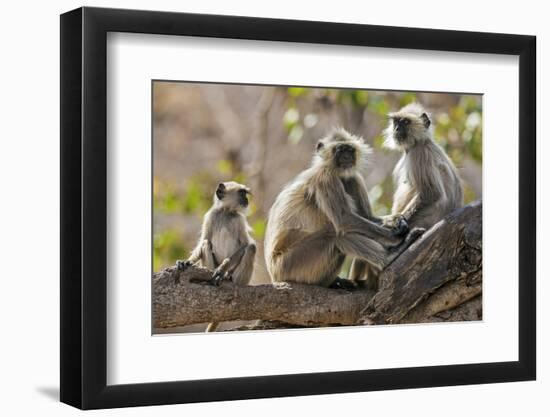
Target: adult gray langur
[[324, 215], [427, 183]]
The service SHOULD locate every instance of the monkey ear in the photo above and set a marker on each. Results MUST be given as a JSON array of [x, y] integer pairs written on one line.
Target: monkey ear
[[426, 120], [220, 191], [319, 146]]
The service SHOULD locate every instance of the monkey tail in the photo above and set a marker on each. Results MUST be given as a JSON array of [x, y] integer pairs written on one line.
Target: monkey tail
[[211, 327]]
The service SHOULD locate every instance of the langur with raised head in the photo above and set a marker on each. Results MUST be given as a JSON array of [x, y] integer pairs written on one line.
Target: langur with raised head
[[427, 183], [324, 215]]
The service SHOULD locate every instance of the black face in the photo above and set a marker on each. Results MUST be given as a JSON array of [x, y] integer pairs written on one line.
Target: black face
[[400, 127], [220, 191], [344, 156], [243, 199]]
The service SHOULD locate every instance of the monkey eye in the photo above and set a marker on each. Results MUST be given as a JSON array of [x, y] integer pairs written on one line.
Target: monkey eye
[[401, 121], [319, 146]]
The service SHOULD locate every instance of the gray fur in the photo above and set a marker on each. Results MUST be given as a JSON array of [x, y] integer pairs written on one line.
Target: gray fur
[[427, 183], [225, 244], [323, 216]]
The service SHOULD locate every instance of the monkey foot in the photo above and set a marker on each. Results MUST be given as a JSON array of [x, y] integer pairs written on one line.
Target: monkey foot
[[214, 281], [217, 278], [343, 284]]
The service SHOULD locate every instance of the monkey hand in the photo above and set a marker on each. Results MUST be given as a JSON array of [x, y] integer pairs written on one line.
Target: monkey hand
[[183, 265], [402, 227], [397, 223]]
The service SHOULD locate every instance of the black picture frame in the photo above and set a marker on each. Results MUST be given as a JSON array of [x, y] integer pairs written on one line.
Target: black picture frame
[[84, 207]]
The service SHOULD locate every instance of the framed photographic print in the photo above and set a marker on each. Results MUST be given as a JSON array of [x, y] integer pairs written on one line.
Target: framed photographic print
[[257, 208]]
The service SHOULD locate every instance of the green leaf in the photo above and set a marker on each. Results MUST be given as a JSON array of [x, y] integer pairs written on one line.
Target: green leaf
[[258, 228], [240, 177], [291, 118], [192, 200], [360, 97], [297, 91], [378, 105], [168, 247], [407, 98], [378, 142], [224, 167]]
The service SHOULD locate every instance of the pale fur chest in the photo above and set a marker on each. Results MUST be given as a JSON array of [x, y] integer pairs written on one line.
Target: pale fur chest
[[404, 188], [224, 243]]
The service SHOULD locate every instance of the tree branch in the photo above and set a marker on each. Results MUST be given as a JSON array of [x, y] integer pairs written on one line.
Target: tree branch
[[182, 303], [438, 273], [450, 252]]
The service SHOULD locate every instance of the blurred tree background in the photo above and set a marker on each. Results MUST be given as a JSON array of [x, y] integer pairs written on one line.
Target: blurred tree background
[[204, 134]]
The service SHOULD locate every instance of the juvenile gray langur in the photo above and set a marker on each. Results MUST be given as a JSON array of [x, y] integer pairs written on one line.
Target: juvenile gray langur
[[427, 183], [225, 245], [324, 215]]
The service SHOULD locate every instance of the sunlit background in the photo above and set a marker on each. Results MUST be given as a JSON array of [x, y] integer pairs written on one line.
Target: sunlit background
[[204, 134]]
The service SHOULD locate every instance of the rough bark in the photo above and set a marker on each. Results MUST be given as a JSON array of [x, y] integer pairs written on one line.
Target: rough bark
[[184, 302], [447, 258], [439, 278]]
